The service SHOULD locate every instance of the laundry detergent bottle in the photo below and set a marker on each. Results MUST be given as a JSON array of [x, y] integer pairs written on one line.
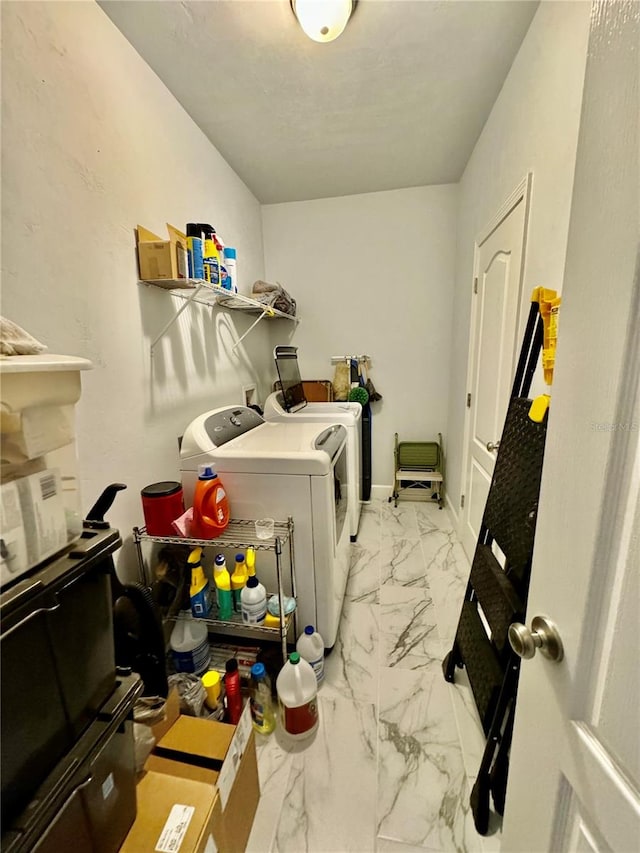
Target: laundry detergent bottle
[[210, 505]]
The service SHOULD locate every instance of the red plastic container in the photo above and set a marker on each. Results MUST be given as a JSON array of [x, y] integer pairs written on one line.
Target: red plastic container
[[232, 688], [162, 503]]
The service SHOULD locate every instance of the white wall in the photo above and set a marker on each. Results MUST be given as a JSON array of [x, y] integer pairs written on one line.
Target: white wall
[[533, 127], [373, 274], [93, 144]]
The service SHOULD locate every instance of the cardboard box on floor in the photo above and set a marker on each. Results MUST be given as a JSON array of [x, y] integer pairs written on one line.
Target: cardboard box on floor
[[200, 789]]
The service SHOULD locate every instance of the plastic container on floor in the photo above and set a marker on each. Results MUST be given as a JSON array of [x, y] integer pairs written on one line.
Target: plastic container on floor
[[190, 644], [262, 711], [297, 697], [238, 581], [310, 646]]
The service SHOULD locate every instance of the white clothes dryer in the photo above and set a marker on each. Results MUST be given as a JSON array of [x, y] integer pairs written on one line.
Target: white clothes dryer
[[279, 470], [347, 414]]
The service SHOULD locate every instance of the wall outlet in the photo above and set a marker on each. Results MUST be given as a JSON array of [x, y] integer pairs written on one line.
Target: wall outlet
[[249, 395]]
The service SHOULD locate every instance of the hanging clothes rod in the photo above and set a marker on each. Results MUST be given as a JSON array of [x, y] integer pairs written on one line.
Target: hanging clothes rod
[[361, 359]]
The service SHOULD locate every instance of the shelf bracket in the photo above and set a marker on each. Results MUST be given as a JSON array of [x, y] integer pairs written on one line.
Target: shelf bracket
[[184, 305], [266, 313]]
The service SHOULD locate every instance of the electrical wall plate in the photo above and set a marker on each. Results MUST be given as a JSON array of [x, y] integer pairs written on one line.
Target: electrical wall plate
[[249, 395]]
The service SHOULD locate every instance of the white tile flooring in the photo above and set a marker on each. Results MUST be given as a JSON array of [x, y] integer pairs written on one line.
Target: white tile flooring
[[397, 749]]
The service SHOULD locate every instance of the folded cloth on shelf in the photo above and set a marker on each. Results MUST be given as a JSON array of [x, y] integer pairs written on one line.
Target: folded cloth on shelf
[[275, 296]]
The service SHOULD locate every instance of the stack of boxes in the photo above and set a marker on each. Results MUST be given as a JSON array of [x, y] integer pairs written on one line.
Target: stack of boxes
[[39, 496]]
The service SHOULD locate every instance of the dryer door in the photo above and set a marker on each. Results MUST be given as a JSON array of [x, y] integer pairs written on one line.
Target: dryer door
[[340, 491]]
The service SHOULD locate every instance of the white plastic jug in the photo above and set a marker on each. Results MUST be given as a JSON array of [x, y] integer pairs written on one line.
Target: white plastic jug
[[297, 697], [310, 646], [253, 602], [190, 644]]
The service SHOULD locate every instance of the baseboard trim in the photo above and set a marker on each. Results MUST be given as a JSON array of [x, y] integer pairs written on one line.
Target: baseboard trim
[[381, 493], [453, 512]]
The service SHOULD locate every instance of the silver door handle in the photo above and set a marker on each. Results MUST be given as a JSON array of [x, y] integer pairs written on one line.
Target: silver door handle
[[543, 635], [492, 445]]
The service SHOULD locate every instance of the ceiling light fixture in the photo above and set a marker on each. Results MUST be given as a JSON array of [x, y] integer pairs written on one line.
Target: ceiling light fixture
[[323, 20]]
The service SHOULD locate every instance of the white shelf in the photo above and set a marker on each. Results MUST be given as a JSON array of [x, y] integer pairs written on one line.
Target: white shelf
[[204, 293]]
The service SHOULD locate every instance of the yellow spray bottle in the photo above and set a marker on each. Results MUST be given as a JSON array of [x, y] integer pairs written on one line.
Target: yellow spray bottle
[[223, 588], [200, 591], [250, 561], [238, 581]]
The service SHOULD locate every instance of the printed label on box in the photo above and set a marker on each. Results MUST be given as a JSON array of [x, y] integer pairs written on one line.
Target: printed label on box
[[175, 829], [234, 754]]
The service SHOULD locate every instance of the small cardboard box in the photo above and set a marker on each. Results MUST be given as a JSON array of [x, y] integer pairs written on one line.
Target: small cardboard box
[[200, 790], [160, 259]]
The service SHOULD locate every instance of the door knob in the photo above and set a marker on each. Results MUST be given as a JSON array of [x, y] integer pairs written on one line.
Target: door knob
[[543, 635], [492, 445]]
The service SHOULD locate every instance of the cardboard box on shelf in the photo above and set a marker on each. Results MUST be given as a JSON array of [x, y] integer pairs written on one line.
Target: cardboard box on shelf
[[200, 789], [162, 259]]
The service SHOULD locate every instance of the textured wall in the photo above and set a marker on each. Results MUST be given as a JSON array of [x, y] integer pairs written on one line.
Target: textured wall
[[93, 143], [374, 274], [533, 127]]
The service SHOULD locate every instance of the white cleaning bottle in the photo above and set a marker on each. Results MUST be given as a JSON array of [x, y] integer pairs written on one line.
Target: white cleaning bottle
[[253, 602], [298, 697], [310, 646], [190, 644]]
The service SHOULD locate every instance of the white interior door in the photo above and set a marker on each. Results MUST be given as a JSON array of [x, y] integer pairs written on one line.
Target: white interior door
[[575, 761], [494, 327]]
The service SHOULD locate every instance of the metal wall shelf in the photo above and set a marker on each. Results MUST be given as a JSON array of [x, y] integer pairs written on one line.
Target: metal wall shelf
[[205, 293]]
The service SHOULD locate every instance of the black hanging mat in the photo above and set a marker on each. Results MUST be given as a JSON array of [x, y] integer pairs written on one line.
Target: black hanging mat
[[500, 591]]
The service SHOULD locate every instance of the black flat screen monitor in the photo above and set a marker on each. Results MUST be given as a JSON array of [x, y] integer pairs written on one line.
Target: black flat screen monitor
[[290, 380]]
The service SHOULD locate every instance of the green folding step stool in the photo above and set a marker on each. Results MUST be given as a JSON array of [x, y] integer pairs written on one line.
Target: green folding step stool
[[418, 464]]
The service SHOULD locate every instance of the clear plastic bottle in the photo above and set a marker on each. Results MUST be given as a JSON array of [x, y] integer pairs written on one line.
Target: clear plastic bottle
[[298, 697], [262, 711], [310, 645]]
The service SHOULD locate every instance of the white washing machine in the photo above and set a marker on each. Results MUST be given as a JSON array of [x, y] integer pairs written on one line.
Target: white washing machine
[[347, 414], [290, 404], [279, 470]]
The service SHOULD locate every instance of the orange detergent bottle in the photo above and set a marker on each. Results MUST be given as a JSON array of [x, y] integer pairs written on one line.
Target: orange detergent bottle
[[210, 505]]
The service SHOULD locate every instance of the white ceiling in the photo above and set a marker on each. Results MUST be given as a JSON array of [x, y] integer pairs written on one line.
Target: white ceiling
[[397, 101]]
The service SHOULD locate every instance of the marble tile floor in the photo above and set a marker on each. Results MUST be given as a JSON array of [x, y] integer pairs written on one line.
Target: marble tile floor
[[393, 761]]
